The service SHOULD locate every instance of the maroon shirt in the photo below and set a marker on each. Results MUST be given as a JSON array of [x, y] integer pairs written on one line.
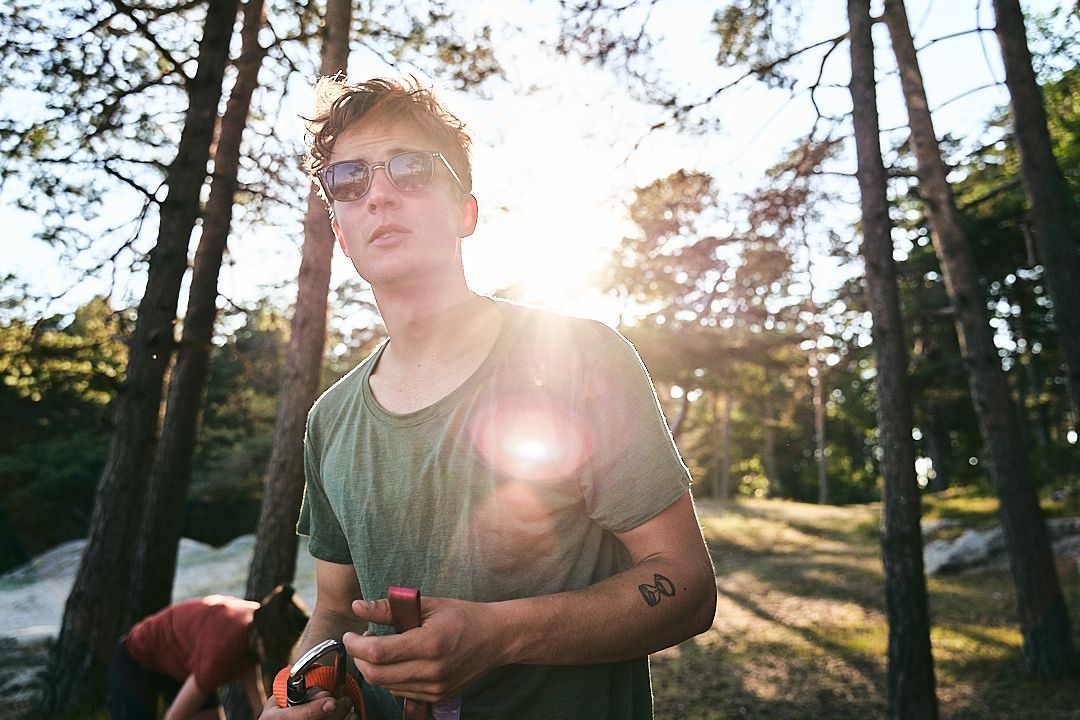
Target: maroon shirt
[[205, 637]]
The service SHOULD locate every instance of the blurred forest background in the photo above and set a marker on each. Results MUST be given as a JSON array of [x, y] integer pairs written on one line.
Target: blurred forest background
[[737, 348], [764, 365]]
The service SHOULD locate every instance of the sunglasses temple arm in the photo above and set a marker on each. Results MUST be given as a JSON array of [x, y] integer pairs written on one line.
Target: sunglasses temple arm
[[452, 171]]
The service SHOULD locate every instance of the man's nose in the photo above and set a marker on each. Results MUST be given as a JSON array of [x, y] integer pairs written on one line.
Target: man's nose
[[382, 191]]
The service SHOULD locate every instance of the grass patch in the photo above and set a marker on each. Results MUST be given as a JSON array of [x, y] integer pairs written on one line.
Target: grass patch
[[973, 507], [800, 629], [977, 508]]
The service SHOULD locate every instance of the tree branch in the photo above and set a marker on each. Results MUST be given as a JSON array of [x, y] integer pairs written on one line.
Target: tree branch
[[952, 36], [146, 32], [128, 181], [763, 68]]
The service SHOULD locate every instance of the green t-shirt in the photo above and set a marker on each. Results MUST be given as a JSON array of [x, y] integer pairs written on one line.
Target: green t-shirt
[[511, 486]]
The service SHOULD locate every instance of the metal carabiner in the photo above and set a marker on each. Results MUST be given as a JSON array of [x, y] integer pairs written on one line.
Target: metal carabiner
[[296, 686]]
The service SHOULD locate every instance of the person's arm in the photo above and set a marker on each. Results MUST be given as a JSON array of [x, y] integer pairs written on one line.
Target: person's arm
[[665, 597], [336, 589], [256, 693], [188, 702], [332, 616]]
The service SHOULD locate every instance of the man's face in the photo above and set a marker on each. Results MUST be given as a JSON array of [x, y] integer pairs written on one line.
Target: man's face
[[395, 237]]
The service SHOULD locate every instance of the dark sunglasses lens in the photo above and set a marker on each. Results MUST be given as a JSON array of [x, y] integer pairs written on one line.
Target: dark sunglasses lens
[[411, 171], [348, 181]]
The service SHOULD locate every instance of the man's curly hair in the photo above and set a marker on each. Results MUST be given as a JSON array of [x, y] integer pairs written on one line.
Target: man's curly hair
[[339, 105]]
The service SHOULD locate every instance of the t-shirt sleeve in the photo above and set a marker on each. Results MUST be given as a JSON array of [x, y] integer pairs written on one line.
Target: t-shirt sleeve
[[635, 470], [317, 517]]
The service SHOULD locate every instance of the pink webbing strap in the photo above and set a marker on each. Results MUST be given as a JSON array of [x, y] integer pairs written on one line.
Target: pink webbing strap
[[405, 609]]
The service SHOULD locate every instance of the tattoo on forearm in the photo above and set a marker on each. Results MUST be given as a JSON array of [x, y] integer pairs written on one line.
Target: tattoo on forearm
[[661, 587]]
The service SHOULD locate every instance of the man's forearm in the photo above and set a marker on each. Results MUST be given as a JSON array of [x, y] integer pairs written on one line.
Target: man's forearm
[[651, 606], [665, 597], [326, 625]]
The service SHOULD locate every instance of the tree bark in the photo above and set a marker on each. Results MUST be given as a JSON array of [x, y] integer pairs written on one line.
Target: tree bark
[[1052, 216], [274, 560], [910, 675], [769, 461], [170, 475], [938, 447], [95, 608], [680, 416], [1029, 380], [721, 476], [1044, 621], [817, 383], [819, 436]]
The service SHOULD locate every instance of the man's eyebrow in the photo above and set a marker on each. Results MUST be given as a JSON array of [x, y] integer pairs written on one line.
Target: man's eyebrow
[[396, 150]]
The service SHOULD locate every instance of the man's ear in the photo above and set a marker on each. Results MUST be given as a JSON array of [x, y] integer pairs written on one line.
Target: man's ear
[[340, 238], [469, 212]]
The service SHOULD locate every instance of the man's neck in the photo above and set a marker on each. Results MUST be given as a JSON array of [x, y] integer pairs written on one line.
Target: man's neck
[[430, 325]]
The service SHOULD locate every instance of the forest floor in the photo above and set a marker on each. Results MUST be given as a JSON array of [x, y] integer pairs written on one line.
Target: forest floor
[[800, 631], [800, 627]]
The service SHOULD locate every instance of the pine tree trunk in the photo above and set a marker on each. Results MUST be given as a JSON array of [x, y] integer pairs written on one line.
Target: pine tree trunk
[[1053, 219], [721, 476], [819, 435], [727, 490], [1029, 378], [274, 559], [95, 609], [680, 417], [769, 462], [1044, 621], [170, 475], [937, 445], [817, 383], [910, 675]]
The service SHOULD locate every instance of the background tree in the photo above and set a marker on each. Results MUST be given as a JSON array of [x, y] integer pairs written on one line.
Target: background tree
[[1052, 212], [1041, 607], [95, 608], [170, 475], [274, 559], [910, 677]]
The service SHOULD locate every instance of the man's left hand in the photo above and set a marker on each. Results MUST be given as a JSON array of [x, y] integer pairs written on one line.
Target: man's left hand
[[452, 647]]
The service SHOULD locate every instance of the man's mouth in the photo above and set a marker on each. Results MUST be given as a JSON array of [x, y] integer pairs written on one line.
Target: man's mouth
[[387, 231]]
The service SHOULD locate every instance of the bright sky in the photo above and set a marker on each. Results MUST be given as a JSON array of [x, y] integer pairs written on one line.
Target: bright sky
[[555, 167]]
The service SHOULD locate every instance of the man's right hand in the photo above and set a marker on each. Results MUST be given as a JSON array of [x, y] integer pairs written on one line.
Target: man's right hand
[[322, 706]]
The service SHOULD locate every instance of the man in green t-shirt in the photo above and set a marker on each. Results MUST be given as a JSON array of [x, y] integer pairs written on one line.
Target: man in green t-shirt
[[511, 463]]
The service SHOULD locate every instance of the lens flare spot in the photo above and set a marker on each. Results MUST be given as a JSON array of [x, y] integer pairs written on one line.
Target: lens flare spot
[[530, 437], [533, 450]]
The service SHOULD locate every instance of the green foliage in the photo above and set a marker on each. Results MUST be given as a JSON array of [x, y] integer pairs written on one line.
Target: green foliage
[[724, 316], [237, 433], [101, 94], [57, 378], [716, 297], [235, 440], [994, 211], [432, 34], [758, 34]]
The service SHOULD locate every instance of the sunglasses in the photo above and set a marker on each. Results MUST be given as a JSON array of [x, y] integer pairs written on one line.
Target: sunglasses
[[408, 171]]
